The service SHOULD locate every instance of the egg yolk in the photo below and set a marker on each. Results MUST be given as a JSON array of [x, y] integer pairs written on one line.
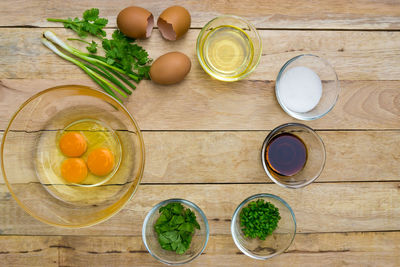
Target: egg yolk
[[100, 161], [73, 144], [74, 170]]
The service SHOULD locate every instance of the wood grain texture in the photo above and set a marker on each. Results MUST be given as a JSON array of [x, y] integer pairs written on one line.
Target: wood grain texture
[[356, 55], [234, 157], [314, 249], [320, 14], [200, 102], [322, 249], [29, 251], [350, 216], [212, 105], [328, 207]]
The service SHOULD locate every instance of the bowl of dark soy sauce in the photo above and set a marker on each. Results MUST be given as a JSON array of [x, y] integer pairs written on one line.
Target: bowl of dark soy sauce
[[293, 155]]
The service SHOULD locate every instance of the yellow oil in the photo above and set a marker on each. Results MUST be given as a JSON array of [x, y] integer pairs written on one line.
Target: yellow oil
[[227, 51]]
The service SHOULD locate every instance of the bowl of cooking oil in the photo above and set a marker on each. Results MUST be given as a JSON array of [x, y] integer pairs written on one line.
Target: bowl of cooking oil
[[72, 156], [229, 48]]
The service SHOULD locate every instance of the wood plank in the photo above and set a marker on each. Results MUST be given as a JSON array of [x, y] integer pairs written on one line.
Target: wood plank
[[355, 55], [245, 105], [327, 249], [199, 94], [328, 207], [379, 249], [29, 251], [320, 14], [234, 157]]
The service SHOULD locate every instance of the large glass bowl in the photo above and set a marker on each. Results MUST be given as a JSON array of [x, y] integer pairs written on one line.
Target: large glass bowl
[[34, 128], [329, 82], [274, 244], [199, 239], [254, 53]]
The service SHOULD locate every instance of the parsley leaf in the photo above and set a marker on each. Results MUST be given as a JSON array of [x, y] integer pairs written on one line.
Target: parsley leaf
[[90, 24], [175, 227], [92, 48], [91, 14], [181, 249], [123, 53]]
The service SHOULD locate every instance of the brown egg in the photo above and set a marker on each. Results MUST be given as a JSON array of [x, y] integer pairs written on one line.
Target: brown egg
[[174, 22], [135, 22], [170, 68]]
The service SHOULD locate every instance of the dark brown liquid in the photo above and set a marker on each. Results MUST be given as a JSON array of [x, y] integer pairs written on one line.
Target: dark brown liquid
[[286, 154]]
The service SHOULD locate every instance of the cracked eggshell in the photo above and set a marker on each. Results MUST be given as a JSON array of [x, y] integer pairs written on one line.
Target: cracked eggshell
[[174, 22], [135, 22], [170, 68]]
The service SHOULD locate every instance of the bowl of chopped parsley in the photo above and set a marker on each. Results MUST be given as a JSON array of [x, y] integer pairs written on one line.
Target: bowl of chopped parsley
[[263, 226], [175, 231]]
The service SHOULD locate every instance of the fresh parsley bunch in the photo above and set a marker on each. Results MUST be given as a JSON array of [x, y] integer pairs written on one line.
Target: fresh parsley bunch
[[123, 53], [123, 58], [90, 24], [259, 219], [175, 227]]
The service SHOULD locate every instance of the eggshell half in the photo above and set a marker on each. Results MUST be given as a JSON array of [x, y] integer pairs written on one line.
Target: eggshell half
[[170, 68], [174, 22], [135, 22]]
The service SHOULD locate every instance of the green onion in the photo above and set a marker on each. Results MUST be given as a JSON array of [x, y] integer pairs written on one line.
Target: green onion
[[122, 78], [108, 76], [96, 77], [98, 69], [259, 219], [52, 37]]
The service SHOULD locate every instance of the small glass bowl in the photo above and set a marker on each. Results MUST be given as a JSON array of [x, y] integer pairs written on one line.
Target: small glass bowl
[[329, 80], [236, 22], [274, 244], [316, 156], [199, 240]]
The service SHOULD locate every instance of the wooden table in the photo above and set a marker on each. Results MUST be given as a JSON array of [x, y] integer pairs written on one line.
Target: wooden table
[[203, 137]]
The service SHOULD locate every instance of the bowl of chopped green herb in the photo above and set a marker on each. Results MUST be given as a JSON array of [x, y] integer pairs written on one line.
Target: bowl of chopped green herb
[[263, 226], [175, 231]]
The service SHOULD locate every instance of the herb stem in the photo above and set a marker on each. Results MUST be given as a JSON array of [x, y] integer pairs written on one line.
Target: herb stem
[[98, 79], [80, 40], [108, 76], [122, 78], [57, 20], [52, 37], [133, 76], [103, 85], [106, 82]]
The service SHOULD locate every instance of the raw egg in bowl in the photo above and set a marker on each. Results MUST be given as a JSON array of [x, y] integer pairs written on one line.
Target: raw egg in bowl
[[72, 156]]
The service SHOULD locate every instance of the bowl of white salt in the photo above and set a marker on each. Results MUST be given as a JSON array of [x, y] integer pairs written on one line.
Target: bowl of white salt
[[307, 87]]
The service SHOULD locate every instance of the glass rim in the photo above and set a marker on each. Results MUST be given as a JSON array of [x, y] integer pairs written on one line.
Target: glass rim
[[264, 147], [155, 208], [296, 114], [236, 214], [124, 199], [258, 56]]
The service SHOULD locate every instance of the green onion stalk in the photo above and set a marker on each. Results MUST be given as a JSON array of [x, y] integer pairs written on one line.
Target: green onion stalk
[[99, 71]]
